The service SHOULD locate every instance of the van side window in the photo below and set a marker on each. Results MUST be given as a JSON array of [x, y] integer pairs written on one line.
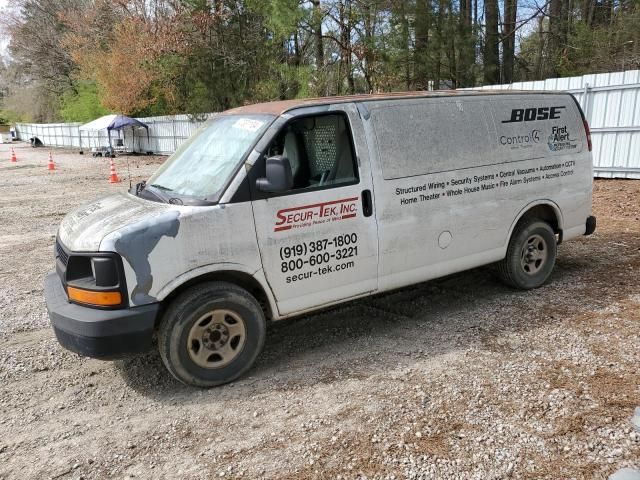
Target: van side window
[[319, 150]]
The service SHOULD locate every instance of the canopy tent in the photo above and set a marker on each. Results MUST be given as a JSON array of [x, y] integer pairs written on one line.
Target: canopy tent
[[112, 122], [98, 124]]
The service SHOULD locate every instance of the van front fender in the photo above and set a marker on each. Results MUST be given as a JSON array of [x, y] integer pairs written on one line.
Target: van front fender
[[224, 271]]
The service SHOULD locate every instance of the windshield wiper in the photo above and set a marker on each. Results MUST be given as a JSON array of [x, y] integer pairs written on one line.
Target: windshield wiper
[[162, 193], [138, 188], [161, 187], [157, 191]]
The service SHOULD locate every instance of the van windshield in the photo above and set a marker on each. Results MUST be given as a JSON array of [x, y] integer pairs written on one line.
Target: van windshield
[[202, 165]]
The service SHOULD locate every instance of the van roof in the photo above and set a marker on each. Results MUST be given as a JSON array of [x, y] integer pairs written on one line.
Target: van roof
[[282, 106]]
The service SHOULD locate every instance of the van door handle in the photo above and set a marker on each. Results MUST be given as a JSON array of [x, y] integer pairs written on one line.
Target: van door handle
[[367, 203]]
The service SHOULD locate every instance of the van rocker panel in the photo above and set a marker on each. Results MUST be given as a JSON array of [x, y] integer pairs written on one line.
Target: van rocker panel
[[97, 333]]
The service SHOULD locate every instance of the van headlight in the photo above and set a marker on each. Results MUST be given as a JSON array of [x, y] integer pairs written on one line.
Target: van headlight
[[95, 280]]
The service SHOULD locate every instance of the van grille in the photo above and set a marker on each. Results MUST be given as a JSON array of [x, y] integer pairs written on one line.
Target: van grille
[[61, 254]]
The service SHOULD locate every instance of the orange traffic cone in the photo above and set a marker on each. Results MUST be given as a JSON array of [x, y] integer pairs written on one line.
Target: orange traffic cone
[[50, 164], [13, 155], [114, 176]]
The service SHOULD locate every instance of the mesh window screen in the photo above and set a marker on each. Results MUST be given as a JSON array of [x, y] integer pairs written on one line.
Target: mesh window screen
[[320, 144]]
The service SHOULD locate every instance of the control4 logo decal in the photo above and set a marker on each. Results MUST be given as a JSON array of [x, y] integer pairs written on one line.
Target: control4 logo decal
[[318, 213], [521, 141]]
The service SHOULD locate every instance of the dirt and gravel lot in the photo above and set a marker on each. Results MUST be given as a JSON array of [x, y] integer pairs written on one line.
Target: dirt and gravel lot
[[455, 378]]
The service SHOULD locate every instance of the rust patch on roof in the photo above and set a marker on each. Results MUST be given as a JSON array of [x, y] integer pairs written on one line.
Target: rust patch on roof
[[282, 106]]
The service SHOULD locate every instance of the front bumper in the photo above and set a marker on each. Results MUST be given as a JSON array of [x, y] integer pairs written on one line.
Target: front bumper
[[103, 334]]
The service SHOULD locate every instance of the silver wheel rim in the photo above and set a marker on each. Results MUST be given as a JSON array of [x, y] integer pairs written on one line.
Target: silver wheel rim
[[216, 338], [534, 254]]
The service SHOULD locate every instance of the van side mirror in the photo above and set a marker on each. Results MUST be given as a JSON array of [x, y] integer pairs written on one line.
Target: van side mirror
[[279, 177]]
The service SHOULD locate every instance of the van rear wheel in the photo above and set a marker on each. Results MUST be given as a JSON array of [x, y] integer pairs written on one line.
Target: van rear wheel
[[531, 255], [211, 334]]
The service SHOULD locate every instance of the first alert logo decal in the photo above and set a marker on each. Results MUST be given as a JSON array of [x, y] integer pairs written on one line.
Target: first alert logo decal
[[318, 213]]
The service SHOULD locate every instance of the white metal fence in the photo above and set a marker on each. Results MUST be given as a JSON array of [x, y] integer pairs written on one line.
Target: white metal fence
[[611, 103], [165, 134]]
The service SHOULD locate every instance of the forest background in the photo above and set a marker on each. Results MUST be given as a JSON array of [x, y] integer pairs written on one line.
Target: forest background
[[74, 60]]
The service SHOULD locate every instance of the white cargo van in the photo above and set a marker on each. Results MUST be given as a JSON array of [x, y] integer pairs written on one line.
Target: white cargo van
[[282, 208]]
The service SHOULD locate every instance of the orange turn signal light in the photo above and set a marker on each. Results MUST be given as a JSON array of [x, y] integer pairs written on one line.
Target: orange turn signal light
[[94, 298]]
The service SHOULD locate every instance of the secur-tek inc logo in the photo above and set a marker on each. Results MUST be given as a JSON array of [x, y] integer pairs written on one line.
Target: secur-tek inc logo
[[316, 214]]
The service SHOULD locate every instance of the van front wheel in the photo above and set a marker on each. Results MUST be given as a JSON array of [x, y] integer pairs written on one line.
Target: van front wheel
[[211, 334], [531, 255]]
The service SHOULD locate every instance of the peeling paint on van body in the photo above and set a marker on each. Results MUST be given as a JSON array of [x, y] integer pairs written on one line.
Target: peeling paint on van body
[[161, 242], [181, 240], [83, 229]]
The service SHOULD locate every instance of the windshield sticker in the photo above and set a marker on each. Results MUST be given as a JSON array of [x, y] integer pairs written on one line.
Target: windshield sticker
[[248, 124], [316, 214]]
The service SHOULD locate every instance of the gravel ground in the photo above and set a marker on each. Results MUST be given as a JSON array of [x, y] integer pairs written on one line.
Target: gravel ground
[[455, 378]]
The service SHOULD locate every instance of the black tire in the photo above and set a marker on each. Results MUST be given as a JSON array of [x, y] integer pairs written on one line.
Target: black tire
[[511, 269], [179, 322]]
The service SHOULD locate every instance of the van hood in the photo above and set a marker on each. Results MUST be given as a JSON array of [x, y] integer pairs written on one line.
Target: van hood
[[83, 229]]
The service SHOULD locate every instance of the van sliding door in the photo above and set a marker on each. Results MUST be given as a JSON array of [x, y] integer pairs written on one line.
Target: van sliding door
[[437, 209]]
